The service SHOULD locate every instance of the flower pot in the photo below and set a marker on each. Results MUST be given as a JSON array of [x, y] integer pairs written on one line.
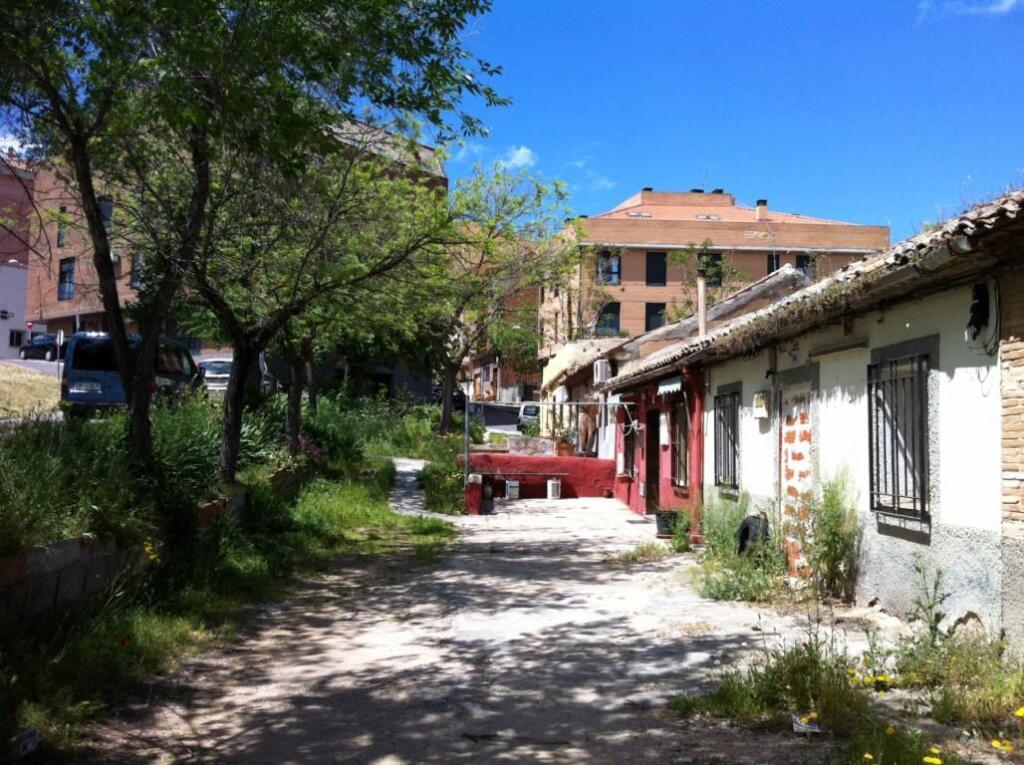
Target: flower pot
[[666, 523], [564, 449]]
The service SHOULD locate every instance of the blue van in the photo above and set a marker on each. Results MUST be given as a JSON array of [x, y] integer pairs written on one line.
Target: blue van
[[91, 381]]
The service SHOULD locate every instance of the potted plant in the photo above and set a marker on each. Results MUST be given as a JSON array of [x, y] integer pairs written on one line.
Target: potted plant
[[565, 442]]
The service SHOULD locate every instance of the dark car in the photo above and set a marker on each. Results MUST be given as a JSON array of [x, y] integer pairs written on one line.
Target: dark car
[[43, 347], [458, 398], [91, 380]]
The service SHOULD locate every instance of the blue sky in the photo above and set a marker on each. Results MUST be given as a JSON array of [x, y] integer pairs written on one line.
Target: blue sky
[[879, 112]]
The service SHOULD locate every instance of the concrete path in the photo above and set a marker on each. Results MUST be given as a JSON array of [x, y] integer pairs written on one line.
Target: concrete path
[[526, 643]]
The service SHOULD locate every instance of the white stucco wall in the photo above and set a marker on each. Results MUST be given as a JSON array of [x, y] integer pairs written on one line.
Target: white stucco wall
[[13, 287], [964, 449]]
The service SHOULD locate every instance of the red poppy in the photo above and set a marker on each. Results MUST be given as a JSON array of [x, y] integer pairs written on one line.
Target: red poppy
[[123, 640]]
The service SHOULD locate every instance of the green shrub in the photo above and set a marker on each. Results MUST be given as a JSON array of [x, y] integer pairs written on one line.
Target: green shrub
[[756, 575], [680, 541], [809, 679], [832, 546], [443, 488]]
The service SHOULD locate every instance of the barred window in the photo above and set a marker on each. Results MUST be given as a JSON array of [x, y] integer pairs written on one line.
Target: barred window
[[629, 450], [681, 444], [66, 279], [898, 436], [727, 416]]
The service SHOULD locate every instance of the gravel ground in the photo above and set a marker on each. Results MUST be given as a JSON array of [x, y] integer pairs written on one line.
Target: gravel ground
[[526, 643]]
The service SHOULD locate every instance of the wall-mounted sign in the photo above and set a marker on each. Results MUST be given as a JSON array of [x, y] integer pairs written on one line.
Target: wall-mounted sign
[[762, 398]]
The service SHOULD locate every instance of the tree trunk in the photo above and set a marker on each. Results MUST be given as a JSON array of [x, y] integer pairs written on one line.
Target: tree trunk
[[234, 404], [447, 391], [311, 383], [293, 425]]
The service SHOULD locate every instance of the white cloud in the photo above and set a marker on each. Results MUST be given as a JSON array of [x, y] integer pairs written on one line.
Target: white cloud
[[519, 156], [927, 8], [578, 164], [600, 182], [468, 151], [9, 143]]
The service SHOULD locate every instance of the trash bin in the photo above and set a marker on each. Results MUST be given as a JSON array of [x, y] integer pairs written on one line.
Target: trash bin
[[554, 488], [512, 489]]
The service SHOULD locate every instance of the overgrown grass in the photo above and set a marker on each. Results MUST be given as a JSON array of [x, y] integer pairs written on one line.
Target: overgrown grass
[[443, 488], [725, 574], [809, 680], [23, 391], [832, 544], [813, 682], [64, 479], [648, 552], [58, 675]]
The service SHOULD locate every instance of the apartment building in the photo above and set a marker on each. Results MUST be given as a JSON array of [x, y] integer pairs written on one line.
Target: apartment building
[[638, 261], [15, 215]]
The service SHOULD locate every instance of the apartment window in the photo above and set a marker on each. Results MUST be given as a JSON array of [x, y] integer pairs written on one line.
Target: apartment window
[[66, 279], [654, 316], [609, 268], [727, 427], [713, 269], [805, 264], [897, 436], [681, 444], [608, 321], [485, 374], [773, 262], [136, 272], [62, 227], [106, 205], [15, 338], [657, 269]]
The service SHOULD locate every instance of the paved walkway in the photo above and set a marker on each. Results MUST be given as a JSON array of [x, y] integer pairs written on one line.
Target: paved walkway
[[526, 643]]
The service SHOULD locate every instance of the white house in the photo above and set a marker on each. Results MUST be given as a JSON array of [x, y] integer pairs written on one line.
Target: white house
[[903, 372], [13, 288]]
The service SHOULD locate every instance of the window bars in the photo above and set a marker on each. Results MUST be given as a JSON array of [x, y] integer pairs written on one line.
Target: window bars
[[727, 412], [681, 444], [898, 436]]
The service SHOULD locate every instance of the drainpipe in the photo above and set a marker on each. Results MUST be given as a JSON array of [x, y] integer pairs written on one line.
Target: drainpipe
[[702, 300]]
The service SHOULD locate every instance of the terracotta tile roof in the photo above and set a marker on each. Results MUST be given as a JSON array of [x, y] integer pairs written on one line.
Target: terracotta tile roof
[[948, 252]]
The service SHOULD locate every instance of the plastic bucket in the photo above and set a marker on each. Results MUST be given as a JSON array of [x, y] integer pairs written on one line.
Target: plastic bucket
[[554, 488], [512, 489]]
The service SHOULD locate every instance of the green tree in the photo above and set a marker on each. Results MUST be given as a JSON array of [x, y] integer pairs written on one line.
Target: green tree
[[120, 91], [501, 244]]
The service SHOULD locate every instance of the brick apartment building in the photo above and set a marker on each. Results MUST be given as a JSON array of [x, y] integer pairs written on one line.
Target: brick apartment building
[[628, 284], [15, 231]]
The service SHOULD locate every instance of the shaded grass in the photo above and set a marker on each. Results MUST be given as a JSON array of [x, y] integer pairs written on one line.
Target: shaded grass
[[23, 391], [59, 675]]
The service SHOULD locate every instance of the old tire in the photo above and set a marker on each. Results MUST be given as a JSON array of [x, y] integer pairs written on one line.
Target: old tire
[[751, 532]]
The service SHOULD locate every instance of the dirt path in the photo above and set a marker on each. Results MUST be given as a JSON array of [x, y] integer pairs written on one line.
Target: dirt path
[[524, 644]]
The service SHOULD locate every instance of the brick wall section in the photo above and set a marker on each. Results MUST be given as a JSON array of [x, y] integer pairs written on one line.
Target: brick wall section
[[1011, 359]]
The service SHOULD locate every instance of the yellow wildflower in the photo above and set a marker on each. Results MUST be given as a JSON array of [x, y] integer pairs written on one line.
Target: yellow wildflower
[[868, 756], [931, 760], [1019, 712], [934, 750], [890, 730]]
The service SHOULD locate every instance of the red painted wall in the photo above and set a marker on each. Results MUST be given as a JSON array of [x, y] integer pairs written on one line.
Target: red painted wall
[[670, 496], [584, 476]]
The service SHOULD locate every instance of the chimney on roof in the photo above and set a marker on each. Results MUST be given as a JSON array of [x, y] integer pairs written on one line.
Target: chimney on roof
[[762, 209], [696, 191], [717, 191], [647, 188]]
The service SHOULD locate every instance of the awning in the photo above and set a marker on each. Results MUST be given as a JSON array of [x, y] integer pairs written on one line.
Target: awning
[[671, 385]]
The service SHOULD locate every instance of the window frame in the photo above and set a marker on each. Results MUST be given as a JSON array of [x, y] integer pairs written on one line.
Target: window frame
[[654, 256], [609, 268], [629, 442], [66, 287], [16, 338], [62, 226], [897, 391], [804, 263], [773, 263], [713, 263], [727, 436], [647, 316], [600, 331]]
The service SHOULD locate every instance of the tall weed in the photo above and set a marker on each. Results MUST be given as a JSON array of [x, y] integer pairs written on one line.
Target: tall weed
[[725, 574], [832, 545]]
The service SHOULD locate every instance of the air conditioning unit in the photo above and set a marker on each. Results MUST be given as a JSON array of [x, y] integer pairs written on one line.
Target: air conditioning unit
[[602, 371]]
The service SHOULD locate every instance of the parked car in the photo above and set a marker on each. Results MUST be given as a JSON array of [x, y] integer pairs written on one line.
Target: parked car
[[91, 381], [458, 398], [528, 413], [215, 374], [43, 347]]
